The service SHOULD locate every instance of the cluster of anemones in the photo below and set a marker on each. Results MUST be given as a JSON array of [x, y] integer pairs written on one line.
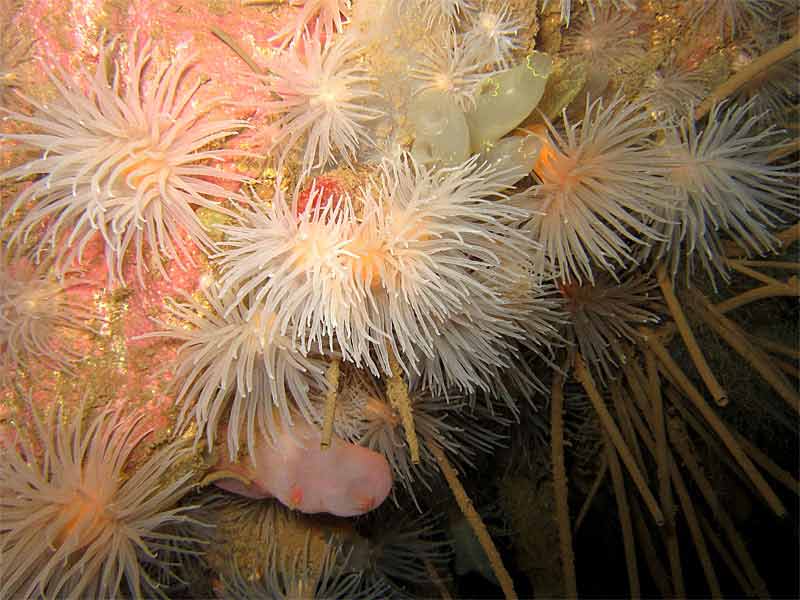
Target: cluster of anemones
[[611, 190], [436, 274], [398, 270]]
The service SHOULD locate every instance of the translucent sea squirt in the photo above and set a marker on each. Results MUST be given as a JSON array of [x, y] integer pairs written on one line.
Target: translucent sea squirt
[[507, 99]]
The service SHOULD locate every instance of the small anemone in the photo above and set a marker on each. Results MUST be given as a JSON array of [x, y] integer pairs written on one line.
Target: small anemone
[[606, 40], [34, 307], [604, 314], [449, 245], [235, 366], [591, 5], [288, 575], [452, 64], [441, 12], [674, 89], [497, 32], [771, 94], [729, 16], [600, 186], [73, 521], [329, 16], [323, 97], [366, 416], [397, 555]]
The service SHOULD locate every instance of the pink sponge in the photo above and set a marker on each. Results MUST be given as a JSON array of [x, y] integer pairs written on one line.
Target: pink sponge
[[344, 480]]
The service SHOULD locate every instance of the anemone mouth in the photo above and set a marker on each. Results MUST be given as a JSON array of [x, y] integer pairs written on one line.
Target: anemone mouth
[[85, 516]]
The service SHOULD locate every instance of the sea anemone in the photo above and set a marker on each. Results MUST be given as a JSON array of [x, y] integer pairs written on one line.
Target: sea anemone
[[435, 12], [729, 15], [367, 417], [606, 40], [452, 64], [73, 522], [566, 7], [470, 358], [323, 95], [295, 262], [674, 89], [604, 313], [126, 160], [497, 31], [33, 309], [725, 182], [329, 16], [442, 234], [183, 554], [600, 185], [772, 93], [400, 552], [235, 366], [392, 276], [286, 576], [467, 358]]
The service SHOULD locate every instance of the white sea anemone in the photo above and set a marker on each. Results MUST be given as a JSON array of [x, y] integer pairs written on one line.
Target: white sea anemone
[[605, 40], [730, 15], [601, 184], [497, 32], [73, 522], [323, 94], [772, 93], [452, 64], [296, 262], [724, 182], [125, 160], [605, 313], [366, 416], [391, 273], [34, 308], [440, 236], [468, 357], [329, 16], [288, 576], [503, 367], [526, 317], [440, 12], [566, 7], [235, 366], [674, 89]]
